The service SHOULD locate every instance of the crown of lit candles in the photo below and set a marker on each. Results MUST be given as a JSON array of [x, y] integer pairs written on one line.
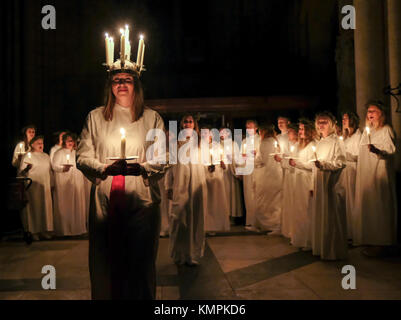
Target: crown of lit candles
[[124, 64]]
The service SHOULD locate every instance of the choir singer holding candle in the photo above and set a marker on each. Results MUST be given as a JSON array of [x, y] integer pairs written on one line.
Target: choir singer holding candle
[[375, 213], [124, 220]]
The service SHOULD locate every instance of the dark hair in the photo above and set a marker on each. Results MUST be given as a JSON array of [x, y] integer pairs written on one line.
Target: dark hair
[[380, 105], [310, 132], [353, 122], [24, 137], [36, 138], [269, 128], [110, 100], [69, 134], [292, 126]]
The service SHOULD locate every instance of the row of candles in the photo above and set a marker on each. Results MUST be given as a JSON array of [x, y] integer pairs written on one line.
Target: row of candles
[[125, 48]]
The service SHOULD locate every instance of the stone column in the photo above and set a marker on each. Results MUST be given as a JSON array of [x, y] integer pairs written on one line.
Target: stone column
[[370, 58], [394, 53]]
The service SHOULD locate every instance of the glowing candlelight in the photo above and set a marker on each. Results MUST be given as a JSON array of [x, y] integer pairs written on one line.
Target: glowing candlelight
[[123, 140], [141, 50], [368, 133], [68, 158], [122, 46], [20, 148], [314, 150], [244, 149], [29, 155], [292, 148], [342, 138], [127, 43]]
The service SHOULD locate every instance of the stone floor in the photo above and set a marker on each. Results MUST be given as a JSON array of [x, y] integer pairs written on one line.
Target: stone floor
[[237, 265]]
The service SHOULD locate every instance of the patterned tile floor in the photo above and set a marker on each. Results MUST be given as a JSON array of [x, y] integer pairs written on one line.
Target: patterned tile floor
[[237, 265]]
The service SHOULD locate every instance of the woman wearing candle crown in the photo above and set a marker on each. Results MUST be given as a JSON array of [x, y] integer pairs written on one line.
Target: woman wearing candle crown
[[328, 220], [375, 214], [124, 222]]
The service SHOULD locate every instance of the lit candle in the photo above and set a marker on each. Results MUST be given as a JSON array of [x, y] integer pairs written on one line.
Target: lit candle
[[221, 154], [68, 158], [368, 132], [111, 51], [275, 146], [127, 43], [141, 50], [122, 131], [244, 149], [107, 48], [341, 138], [20, 148], [292, 148], [122, 46], [314, 150]]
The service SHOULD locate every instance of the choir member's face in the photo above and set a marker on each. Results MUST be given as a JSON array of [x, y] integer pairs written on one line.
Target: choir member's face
[[69, 143], [292, 135], [223, 134], [30, 133], [205, 135], [282, 124], [123, 86], [374, 114], [38, 145], [60, 138], [189, 123], [324, 126], [345, 121], [251, 128], [301, 131]]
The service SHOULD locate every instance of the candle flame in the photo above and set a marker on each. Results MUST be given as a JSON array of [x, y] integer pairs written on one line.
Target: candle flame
[[68, 157], [292, 148], [122, 131], [341, 138], [107, 35], [29, 155], [126, 26], [368, 130], [20, 145], [122, 31], [141, 36], [275, 144], [313, 148]]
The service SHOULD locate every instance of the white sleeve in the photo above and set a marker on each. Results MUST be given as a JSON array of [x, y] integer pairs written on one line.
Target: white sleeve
[[338, 161], [56, 164]]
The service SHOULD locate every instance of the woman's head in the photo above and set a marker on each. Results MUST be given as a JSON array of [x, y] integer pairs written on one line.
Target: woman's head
[[292, 130], [189, 122], [350, 121], [37, 143], [306, 132], [375, 115], [251, 127], [266, 130], [29, 132], [123, 88], [325, 123], [282, 123], [69, 141]]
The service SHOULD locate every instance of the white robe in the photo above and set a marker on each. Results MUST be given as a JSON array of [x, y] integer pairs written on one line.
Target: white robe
[[17, 150], [300, 231], [69, 196], [283, 142], [348, 176], [268, 187], [328, 223], [375, 215], [189, 205], [288, 209], [101, 139], [53, 150], [249, 184], [164, 205], [37, 216]]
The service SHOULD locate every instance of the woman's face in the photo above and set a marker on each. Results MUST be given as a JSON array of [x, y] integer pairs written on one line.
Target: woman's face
[[30, 133], [301, 131], [324, 126], [205, 135], [251, 128], [292, 135], [38, 145], [188, 123], [69, 143], [123, 86], [374, 114], [224, 134], [282, 124], [345, 121]]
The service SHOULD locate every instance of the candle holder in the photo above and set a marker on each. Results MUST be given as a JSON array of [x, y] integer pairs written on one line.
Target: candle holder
[[126, 158]]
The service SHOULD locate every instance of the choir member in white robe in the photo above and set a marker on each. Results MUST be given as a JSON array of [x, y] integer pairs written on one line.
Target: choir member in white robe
[[124, 222], [249, 179], [37, 216], [300, 231], [23, 146], [231, 180], [351, 136], [69, 192], [375, 216], [328, 223], [268, 189], [217, 217], [288, 208], [58, 145], [189, 199], [282, 124]]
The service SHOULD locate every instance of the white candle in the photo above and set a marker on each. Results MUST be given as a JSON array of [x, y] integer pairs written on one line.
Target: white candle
[[292, 148], [368, 133], [122, 46], [29, 155], [107, 42], [111, 51], [122, 131], [275, 146], [314, 150], [341, 138], [20, 148], [68, 158], [127, 43], [141, 49]]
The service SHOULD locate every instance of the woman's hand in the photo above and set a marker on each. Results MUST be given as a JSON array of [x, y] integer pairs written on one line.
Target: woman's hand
[[135, 169], [318, 164], [211, 168], [277, 158], [223, 165], [292, 163], [117, 168], [66, 167], [373, 149]]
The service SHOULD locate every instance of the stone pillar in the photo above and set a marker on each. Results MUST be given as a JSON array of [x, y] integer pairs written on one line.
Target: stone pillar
[[394, 54], [370, 58]]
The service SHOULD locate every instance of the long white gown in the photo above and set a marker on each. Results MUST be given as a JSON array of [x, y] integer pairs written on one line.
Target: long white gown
[[37, 216], [288, 209], [101, 139], [300, 231], [268, 187], [189, 205], [348, 176], [283, 142], [164, 206], [249, 185], [17, 150], [328, 223], [69, 196], [375, 215], [53, 150]]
